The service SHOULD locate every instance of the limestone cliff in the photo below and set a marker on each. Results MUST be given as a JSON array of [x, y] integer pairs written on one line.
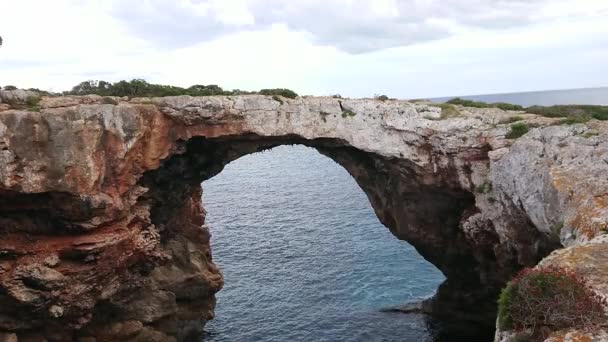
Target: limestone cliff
[[103, 230]]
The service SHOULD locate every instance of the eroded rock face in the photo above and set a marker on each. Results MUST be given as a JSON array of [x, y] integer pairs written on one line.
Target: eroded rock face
[[102, 221]]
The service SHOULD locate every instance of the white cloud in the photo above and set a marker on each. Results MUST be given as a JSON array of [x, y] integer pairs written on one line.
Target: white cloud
[[464, 47]]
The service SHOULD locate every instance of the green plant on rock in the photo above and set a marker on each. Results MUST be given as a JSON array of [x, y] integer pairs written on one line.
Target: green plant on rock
[[548, 298], [484, 188], [575, 119], [278, 99], [290, 94], [590, 134], [468, 103], [348, 113], [511, 119], [33, 103], [568, 111], [506, 106], [517, 130], [448, 111]]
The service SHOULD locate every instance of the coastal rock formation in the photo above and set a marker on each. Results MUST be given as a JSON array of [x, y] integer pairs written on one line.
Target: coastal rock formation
[[102, 220]]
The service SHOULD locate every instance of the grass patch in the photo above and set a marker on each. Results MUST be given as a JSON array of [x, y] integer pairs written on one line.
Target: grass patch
[[506, 106], [278, 99], [33, 103], [575, 120], [517, 130], [448, 111], [511, 119], [348, 113], [590, 134], [568, 111]]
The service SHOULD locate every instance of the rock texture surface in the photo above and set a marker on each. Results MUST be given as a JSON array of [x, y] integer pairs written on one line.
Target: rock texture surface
[[102, 222]]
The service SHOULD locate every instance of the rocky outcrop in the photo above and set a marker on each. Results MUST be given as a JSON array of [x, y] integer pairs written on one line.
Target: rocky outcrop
[[102, 222]]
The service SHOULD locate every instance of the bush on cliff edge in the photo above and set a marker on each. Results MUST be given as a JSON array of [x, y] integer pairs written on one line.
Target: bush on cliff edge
[[550, 299]]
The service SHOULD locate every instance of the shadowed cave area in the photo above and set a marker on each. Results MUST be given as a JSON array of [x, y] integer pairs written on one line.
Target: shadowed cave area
[[421, 208]]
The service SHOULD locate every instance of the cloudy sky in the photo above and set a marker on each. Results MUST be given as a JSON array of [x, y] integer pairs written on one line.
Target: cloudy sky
[[402, 48]]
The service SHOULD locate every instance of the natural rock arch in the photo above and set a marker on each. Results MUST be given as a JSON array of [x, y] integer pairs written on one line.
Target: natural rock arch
[[426, 215], [103, 227]]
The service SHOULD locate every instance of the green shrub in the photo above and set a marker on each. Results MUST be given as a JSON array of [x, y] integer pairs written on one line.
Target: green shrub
[[9, 87], [506, 106], [448, 111], [549, 297], [567, 111], [381, 97], [279, 91], [348, 113], [480, 104], [468, 103], [33, 103], [517, 130], [575, 120], [337, 96], [511, 119]]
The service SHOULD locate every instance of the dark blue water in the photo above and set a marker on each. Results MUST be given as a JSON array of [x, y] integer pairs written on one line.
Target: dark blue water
[[592, 96], [305, 258]]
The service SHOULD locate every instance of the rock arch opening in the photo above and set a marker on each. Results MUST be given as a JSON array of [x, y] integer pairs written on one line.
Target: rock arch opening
[[303, 255], [424, 210]]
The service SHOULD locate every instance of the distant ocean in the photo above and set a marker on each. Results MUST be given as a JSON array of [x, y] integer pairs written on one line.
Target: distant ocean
[[591, 96], [304, 256]]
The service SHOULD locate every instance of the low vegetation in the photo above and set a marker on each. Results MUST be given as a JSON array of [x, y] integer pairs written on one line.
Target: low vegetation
[[479, 104], [484, 188], [511, 119], [517, 130], [548, 299], [278, 99], [33, 103], [590, 134], [448, 111], [348, 113], [141, 88], [279, 92], [571, 111]]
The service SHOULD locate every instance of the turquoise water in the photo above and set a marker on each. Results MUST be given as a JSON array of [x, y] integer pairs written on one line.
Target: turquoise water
[[305, 258]]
